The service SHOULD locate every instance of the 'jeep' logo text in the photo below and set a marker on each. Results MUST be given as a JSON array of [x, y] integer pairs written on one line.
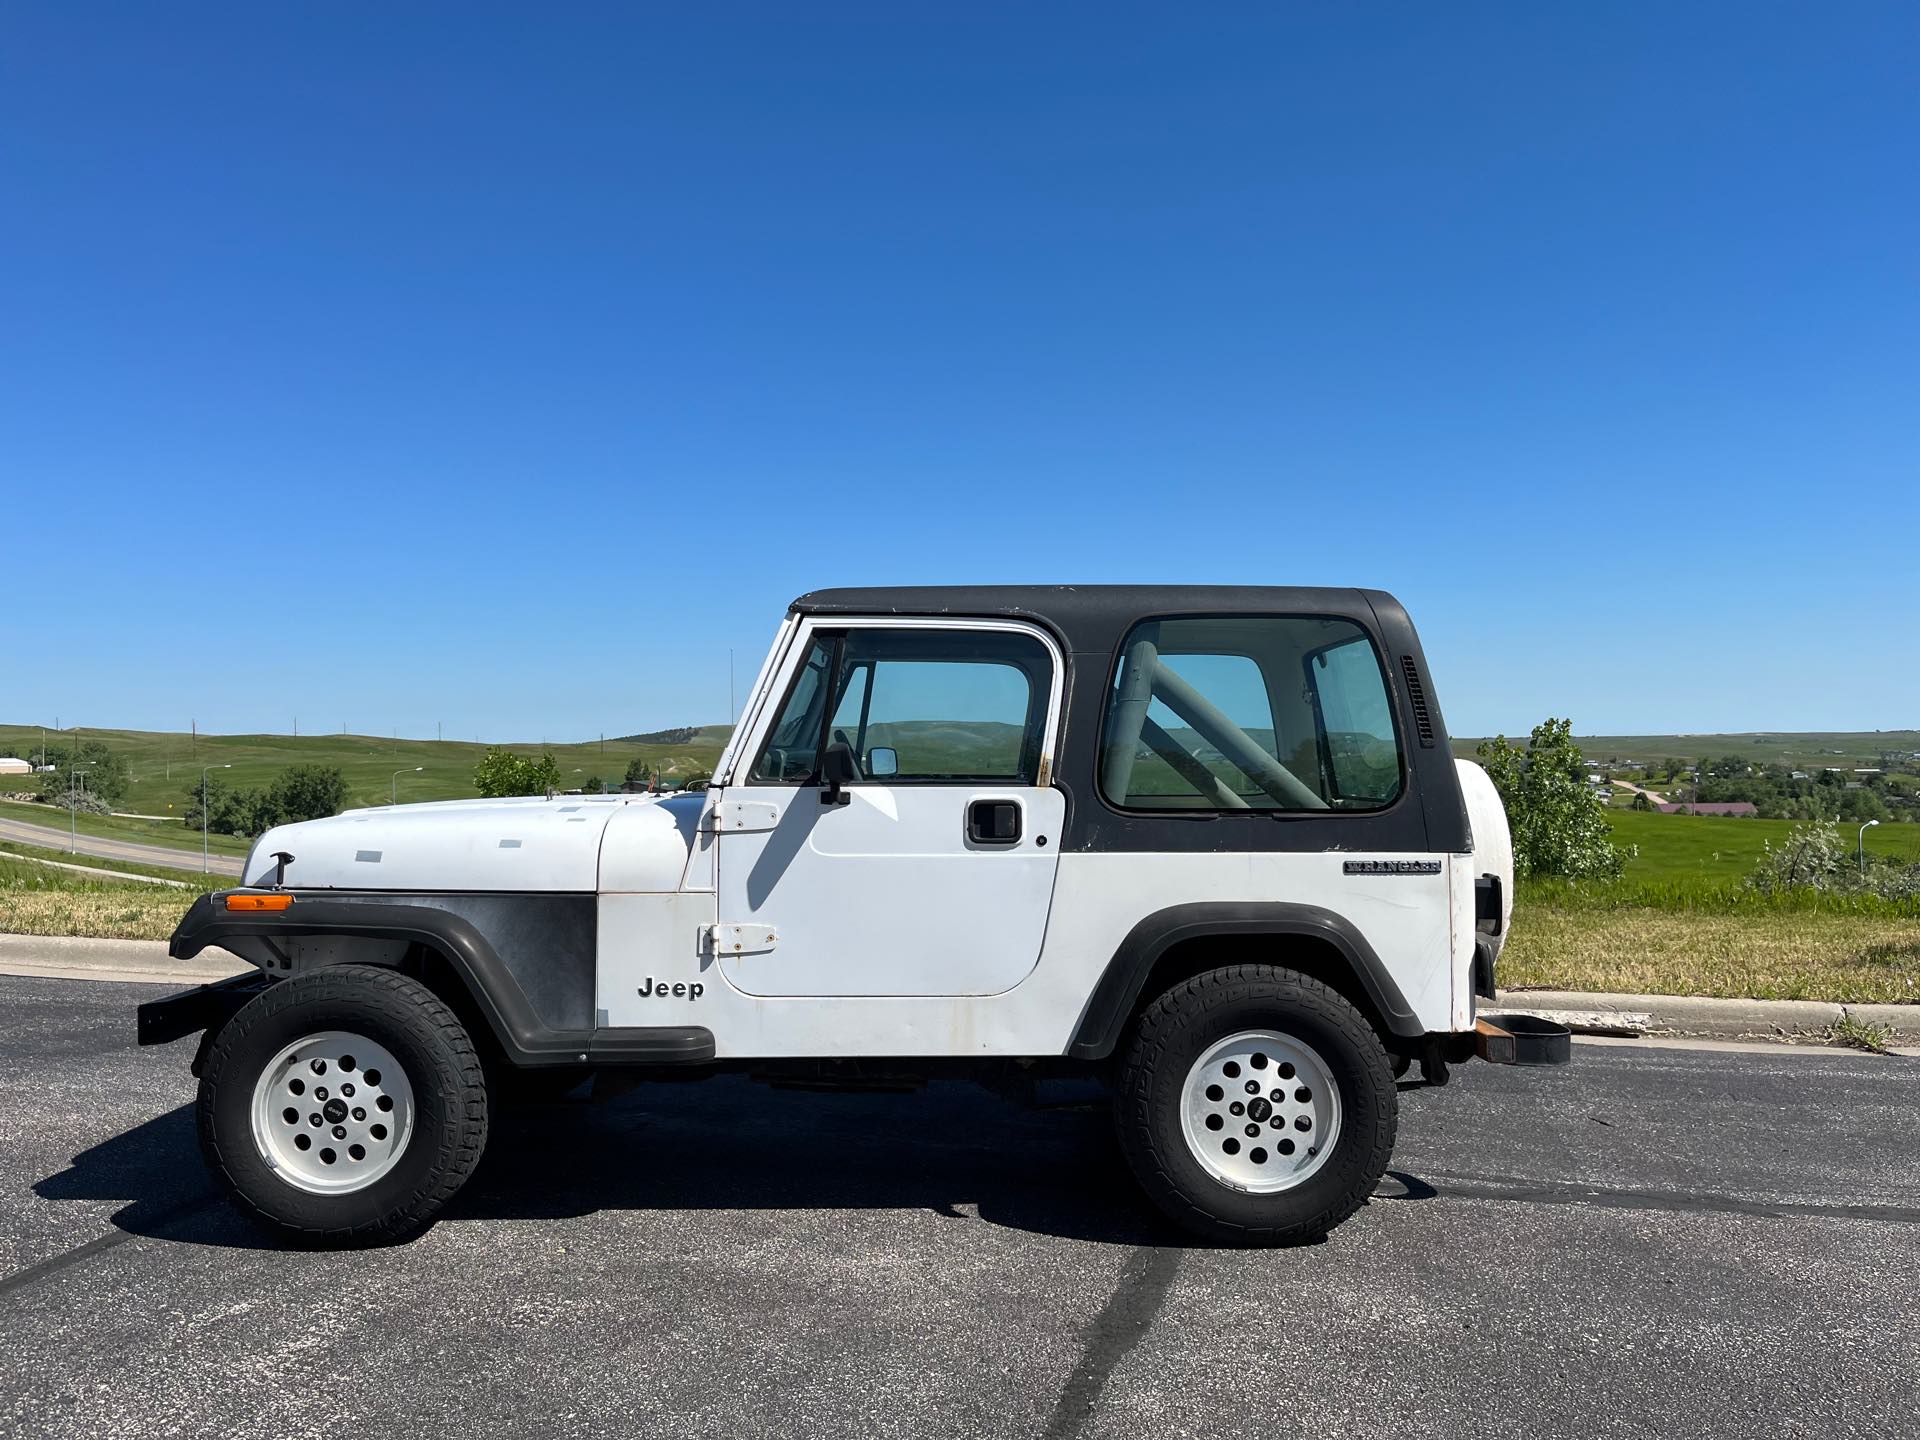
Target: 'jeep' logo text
[[680, 988]]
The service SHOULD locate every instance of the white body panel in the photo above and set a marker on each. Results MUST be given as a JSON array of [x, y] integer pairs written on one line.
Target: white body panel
[[645, 847], [516, 844], [647, 939], [885, 895]]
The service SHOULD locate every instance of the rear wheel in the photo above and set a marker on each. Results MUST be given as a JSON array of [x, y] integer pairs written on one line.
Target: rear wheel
[[1256, 1106], [343, 1106]]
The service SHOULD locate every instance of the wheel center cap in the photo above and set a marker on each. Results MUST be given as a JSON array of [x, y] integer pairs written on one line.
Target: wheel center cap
[[1259, 1108], [335, 1111]]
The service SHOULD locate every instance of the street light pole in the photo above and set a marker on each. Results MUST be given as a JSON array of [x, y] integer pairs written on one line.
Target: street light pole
[[1863, 844], [78, 772], [206, 860], [393, 784]]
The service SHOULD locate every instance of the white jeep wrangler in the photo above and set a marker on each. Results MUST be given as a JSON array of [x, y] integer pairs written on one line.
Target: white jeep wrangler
[[1208, 843]]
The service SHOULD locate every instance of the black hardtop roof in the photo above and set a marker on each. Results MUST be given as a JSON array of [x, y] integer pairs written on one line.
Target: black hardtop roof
[[1093, 615]]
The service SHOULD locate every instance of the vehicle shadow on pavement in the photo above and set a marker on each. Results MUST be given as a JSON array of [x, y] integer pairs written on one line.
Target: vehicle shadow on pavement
[[953, 1150], [156, 1167], [720, 1144], [725, 1143]]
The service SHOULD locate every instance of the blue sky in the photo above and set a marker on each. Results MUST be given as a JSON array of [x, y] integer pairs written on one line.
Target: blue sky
[[386, 366]]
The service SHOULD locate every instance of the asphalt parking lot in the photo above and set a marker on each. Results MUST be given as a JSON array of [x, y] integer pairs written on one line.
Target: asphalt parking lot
[[1649, 1242]]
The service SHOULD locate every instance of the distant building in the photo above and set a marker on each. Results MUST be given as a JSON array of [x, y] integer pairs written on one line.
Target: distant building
[[9, 765], [1711, 807]]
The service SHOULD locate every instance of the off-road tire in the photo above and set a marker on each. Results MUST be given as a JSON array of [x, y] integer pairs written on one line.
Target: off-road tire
[[1177, 1027], [449, 1105]]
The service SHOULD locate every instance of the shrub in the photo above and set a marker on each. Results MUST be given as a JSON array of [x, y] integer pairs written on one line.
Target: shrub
[[1820, 857], [1812, 856], [1559, 825], [501, 772]]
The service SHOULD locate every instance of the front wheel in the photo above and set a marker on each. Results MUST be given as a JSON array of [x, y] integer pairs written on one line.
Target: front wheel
[[1256, 1106], [343, 1106]]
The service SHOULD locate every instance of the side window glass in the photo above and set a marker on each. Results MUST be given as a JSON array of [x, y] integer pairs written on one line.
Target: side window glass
[[1354, 715], [792, 748], [925, 707], [1249, 713]]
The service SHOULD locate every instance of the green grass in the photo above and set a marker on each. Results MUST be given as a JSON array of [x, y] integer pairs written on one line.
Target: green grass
[[41, 900], [166, 765], [1860, 1034], [1709, 847]]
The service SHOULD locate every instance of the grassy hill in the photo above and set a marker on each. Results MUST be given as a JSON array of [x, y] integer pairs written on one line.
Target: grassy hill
[[165, 764], [1807, 750]]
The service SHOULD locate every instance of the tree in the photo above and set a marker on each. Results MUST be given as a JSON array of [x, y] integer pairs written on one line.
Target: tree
[[1559, 825], [307, 792], [1640, 801], [304, 792], [106, 773], [637, 772], [594, 786], [501, 772]]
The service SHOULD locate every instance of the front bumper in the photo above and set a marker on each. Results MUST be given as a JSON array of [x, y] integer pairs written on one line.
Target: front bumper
[[205, 1007]]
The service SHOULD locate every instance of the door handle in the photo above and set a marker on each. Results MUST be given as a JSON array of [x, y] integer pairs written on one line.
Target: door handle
[[994, 822]]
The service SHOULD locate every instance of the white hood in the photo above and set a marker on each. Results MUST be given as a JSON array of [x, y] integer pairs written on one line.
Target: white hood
[[484, 845]]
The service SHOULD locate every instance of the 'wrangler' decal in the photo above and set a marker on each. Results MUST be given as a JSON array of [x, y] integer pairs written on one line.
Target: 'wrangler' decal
[[1392, 867]]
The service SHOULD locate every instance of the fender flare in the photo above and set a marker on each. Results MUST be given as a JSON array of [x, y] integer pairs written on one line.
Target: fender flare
[[524, 1037], [1118, 990]]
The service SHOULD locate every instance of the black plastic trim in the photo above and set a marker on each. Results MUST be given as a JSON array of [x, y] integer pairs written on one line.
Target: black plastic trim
[[1430, 816], [1488, 903], [205, 1007], [523, 1035], [1484, 983], [1114, 998]]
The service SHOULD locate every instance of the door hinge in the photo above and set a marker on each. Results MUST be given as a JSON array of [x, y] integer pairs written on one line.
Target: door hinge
[[723, 940], [737, 816]]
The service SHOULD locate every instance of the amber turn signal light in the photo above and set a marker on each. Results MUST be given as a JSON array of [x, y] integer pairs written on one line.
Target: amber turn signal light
[[258, 902]]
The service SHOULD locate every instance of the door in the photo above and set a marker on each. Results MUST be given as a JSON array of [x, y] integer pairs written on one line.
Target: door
[[891, 831]]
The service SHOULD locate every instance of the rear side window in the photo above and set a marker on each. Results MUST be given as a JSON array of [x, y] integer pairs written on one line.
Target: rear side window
[[1249, 713], [916, 707]]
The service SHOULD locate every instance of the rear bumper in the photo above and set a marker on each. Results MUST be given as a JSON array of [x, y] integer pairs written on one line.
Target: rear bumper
[[1521, 1040]]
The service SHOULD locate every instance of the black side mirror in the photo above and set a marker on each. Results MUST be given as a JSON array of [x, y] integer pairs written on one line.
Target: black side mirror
[[836, 769]]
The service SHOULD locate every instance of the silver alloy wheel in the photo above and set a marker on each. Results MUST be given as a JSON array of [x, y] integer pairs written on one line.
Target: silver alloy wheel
[[1260, 1111], [332, 1112]]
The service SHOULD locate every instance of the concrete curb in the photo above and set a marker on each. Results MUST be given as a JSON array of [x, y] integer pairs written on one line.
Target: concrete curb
[[1601, 1014], [67, 957]]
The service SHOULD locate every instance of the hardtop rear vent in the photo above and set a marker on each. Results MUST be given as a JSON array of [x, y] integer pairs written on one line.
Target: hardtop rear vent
[[1417, 693]]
